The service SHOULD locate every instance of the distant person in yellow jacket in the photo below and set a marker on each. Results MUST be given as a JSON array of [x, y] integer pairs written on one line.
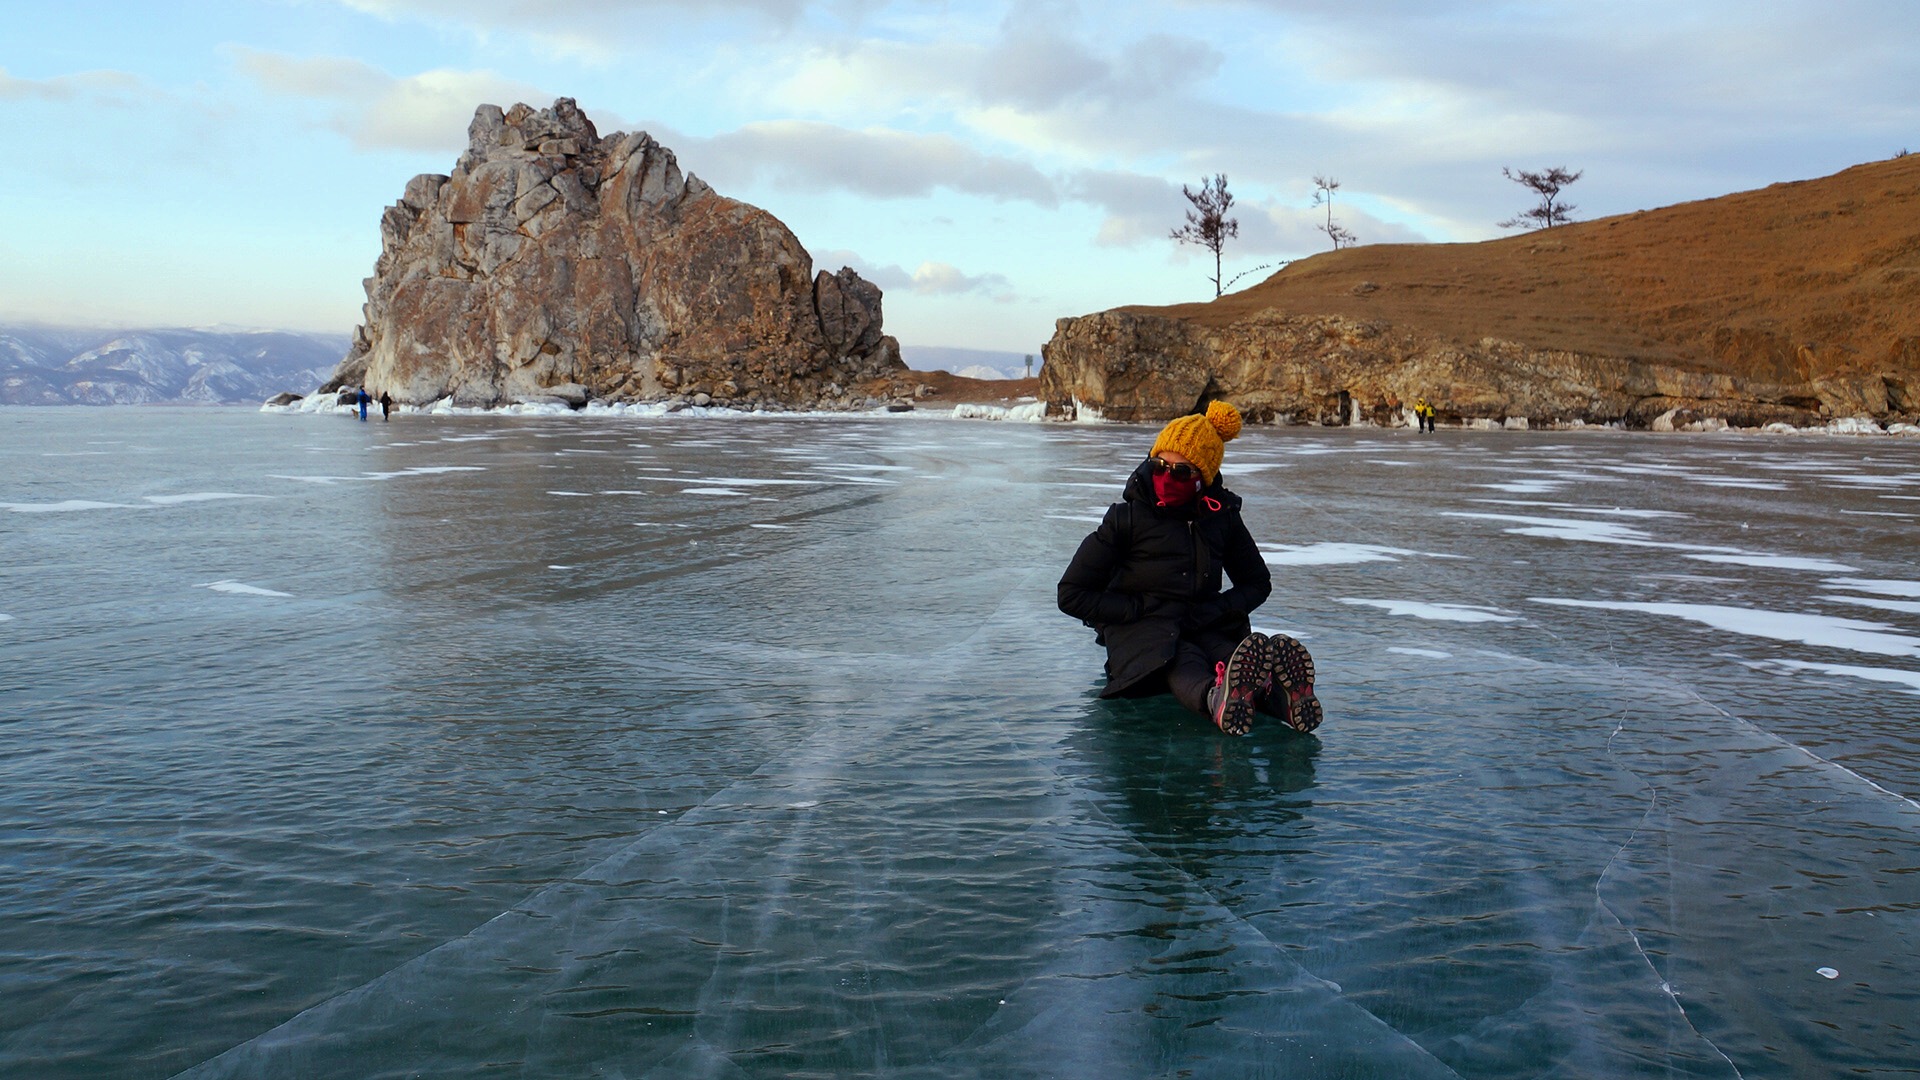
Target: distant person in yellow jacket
[[1423, 414]]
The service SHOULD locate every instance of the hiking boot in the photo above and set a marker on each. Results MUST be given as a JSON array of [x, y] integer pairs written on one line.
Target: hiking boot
[[1238, 682], [1290, 695]]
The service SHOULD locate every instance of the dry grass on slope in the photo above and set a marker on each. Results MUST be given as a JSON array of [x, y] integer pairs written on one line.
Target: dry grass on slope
[[1793, 281]]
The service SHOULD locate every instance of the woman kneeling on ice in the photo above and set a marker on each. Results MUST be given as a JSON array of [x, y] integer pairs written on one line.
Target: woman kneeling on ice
[[1148, 582]]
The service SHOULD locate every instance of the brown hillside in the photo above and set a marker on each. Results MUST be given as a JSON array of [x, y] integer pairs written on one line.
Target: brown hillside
[[1793, 282]]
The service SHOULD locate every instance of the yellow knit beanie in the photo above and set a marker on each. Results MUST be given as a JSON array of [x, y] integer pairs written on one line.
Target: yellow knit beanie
[[1201, 439]]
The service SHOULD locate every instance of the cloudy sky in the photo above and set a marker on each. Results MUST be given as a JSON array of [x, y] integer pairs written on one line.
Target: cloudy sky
[[993, 166]]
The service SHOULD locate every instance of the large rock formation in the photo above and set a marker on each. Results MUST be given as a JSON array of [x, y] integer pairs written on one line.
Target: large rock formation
[[555, 264], [1796, 303]]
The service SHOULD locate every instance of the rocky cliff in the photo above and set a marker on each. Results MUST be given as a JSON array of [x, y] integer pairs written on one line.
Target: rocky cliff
[[556, 264], [1797, 303]]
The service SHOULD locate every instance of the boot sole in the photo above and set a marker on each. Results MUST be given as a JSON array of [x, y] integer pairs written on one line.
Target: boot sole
[[1293, 672], [1251, 663]]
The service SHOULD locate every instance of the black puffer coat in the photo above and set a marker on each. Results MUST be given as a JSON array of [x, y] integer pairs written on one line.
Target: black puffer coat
[[1148, 577]]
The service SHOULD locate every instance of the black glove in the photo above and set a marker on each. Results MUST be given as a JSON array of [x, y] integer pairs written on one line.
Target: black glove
[[1159, 606], [1206, 613]]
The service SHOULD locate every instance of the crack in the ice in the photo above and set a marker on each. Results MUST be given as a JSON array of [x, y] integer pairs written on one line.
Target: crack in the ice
[[1599, 883]]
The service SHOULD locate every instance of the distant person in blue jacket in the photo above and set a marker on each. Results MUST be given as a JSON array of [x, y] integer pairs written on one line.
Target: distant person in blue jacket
[[365, 398]]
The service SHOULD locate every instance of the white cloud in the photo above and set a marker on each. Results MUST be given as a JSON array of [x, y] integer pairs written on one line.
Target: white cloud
[[427, 112], [877, 161], [930, 278], [597, 30], [98, 87]]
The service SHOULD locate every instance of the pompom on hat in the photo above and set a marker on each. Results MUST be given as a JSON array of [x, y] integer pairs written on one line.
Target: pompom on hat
[[1201, 438]]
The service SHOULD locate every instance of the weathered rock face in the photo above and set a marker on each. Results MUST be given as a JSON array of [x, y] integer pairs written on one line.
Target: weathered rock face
[[1326, 369], [1797, 303], [557, 264]]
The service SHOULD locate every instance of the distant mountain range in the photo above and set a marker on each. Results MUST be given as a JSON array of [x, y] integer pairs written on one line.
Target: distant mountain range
[[59, 366], [969, 363], [52, 366]]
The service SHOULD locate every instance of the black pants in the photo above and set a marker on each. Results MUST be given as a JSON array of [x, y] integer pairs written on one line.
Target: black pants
[[1190, 675]]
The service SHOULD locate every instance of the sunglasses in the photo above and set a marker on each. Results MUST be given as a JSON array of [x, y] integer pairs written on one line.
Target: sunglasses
[[1179, 471]]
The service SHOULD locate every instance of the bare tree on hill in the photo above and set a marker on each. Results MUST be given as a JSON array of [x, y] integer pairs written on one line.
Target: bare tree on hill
[[1324, 187], [1547, 184], [1207, 223]]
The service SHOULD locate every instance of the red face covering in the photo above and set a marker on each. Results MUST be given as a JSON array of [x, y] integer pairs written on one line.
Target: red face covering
[[1171, 492]]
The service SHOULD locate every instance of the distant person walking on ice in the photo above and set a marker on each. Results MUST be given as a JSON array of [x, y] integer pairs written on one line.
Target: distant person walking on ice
[[1148, 581], [1422, 414], [386, 406], [364, 398]]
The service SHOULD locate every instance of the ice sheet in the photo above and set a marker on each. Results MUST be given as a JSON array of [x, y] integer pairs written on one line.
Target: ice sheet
[[511, 785]]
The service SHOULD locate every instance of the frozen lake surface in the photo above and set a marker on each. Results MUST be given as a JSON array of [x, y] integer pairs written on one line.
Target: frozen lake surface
[[529, 747]]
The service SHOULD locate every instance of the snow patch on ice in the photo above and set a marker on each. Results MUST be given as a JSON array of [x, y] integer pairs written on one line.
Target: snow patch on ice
[[1574, 508], [199, 496], [1330, 553], [66, 506], [1882, 586], [765, 525], [1527, 487], [1905, 607], [1434, 653], [711, 491], [424, 470], [1823, 631], [1780, 562], [1900, 676], [238, 588], [1738, 482], [5, 617], [1468, 613], [1590, 532]]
